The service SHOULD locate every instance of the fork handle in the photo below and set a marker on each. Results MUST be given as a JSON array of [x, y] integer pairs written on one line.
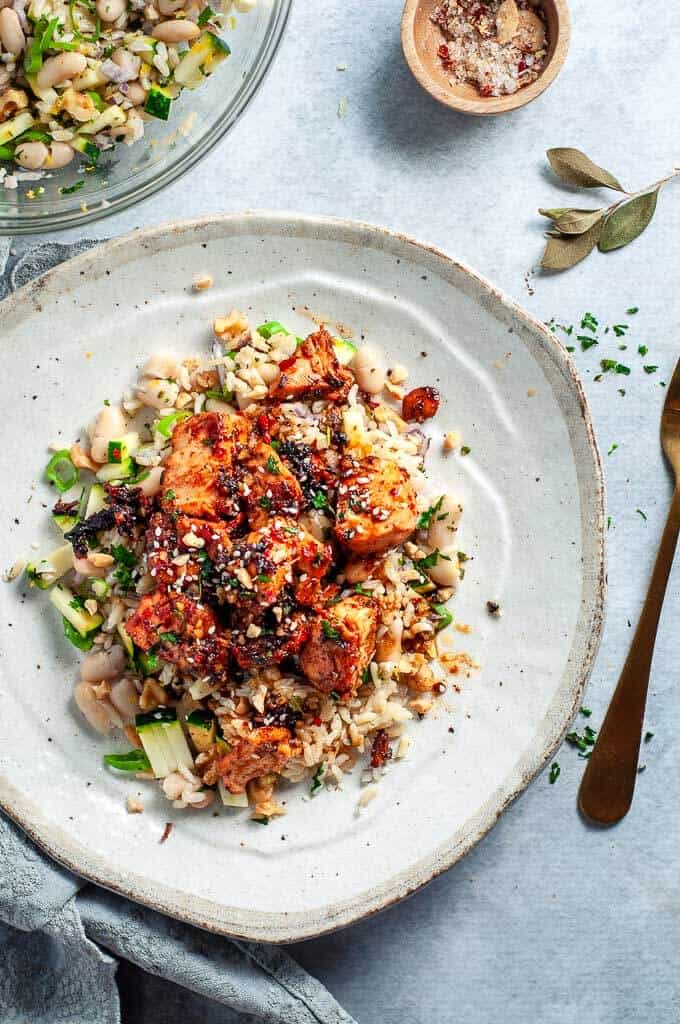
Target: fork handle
[[606, 791]]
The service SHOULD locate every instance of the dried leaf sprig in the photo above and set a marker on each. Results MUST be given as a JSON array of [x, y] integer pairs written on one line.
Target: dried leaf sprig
[[576, 232]]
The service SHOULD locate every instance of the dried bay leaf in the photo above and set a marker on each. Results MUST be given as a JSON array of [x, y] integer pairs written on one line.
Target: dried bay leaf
[[568, 250], [574, 167], [627, 221], [574, 222]]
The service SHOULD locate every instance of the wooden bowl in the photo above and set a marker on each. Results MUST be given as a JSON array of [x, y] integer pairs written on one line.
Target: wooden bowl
[[421, 38]]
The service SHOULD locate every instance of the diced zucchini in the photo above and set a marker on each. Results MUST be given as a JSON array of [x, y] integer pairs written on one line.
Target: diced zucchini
[[127, 640], [91, 78], [118, 451], [202, 729], [48, 570], [205, 55], [15, 126], [65, 523], [113, 117], [158, 102], [148, 662], [231, 799], [113, 471], [64, 600], [164, 741], [344, 350], [87, 148], [96, 500]]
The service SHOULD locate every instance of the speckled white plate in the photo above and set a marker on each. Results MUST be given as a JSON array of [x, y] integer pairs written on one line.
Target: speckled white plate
[[533, 526]]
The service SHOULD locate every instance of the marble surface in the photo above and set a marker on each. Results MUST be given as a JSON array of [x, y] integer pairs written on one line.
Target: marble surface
[[547, 918]]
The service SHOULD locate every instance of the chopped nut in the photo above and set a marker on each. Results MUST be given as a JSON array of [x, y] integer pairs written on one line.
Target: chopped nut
[[100, 559], [398, 374], [450, 441], [134, 806], [202, 282], [192, 541], [421, 705], [81, 460]]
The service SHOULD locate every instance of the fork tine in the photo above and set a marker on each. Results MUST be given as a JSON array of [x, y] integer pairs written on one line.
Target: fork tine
[[672, 403]]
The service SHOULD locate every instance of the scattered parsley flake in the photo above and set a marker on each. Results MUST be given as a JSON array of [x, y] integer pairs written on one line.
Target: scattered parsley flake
[[622, 392], [320, 500], [70, 189], [648, 736], [641, 513], [570, 348], [632, 311], [650, 369], [330, 632], [426, 517], [612, 449], [619, 329], [643, 350], [586, 712], [554, 772], [589, 322], [586, 342], [273, 466], [609, 522], [465, 450]]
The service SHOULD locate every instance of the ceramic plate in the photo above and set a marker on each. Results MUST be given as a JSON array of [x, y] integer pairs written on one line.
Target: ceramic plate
[[532, 526]]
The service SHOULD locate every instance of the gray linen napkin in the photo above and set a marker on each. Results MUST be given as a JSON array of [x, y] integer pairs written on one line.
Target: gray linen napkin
[[54, 926]]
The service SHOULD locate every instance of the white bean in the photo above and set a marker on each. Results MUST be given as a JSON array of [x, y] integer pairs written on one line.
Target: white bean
[[128, 62], [99, 665], [176, 31], [151, 484], [58, 69], [446, 571], [110, 10], [11, 33], [444, 523], [136, 93], [31, 155], [94, 711], [158, 393], [269, 372], [109, 426], [161, 364], [125, 699], [168, 7], [369, 369], [60, 154]]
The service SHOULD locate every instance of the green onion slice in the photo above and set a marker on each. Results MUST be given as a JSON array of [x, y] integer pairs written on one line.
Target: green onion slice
[[61, 472]]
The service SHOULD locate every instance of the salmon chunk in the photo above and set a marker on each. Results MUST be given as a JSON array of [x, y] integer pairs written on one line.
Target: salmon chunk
[[313, 372], [267, 485], [265, 750], [341, 645], [166, 617], [169, 539], [198, 478], [376, 505]]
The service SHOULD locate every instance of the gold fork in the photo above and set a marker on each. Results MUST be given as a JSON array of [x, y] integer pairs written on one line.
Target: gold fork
[[609, 781]]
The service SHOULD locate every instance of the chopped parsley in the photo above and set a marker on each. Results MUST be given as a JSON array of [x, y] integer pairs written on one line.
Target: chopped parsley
[[265, 502], [444, 616], [586, 342], [169, 637], [641, 513], [612, 449], [330, 632], [554, 772], [366, 675], [633, 310], [643, 350], [612, 364], [262, 578], [619, 329], [67, 190], [206, 15], [570, 348], [648, 736], [273, 465], [170, 495], [586, 712], [426, 517], [359, 589], [589, 322], [465, 450], [317, 781], [123, 555], [609, 522], [320, 500], [650, 369]]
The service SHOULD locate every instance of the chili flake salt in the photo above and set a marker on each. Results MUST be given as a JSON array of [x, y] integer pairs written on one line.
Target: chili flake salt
[[498, 46]]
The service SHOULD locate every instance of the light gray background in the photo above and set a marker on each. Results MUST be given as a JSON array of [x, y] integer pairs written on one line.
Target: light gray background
[[546, 920]]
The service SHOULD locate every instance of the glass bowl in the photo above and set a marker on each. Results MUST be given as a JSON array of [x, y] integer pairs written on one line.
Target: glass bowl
[[127, 174]]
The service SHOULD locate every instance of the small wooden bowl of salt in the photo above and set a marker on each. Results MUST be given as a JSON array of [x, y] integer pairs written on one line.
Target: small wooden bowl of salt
[[485, 56]]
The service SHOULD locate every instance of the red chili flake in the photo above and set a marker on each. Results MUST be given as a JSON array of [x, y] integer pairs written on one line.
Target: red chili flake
[[420, 404], [264, 427], [443, 51], [486, 90], [286, 364], [380, 751], [166, 831], [317, 720]]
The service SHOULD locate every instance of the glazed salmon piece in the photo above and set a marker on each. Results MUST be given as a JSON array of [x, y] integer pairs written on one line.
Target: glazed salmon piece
[[199, 472], [265, 750], [267, 485], [376, 505], [312, 372], [166, 617], [341, 645]]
